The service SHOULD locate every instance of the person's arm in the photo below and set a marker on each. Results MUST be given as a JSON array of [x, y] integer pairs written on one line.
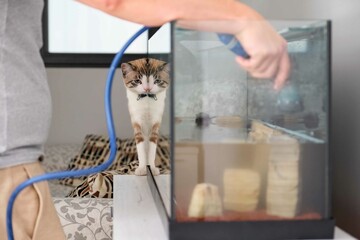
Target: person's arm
[[267, 49]]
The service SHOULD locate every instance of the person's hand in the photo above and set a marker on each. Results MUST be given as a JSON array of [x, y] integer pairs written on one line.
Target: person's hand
[[267, 50]]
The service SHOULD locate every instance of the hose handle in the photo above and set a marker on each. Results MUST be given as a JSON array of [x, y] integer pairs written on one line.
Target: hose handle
[[233, 45]]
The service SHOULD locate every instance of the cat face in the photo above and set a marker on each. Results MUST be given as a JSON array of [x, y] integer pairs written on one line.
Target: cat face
[[146, 75]]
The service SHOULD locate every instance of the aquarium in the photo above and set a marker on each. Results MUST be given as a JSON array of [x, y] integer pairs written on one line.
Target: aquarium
[[247, 161]]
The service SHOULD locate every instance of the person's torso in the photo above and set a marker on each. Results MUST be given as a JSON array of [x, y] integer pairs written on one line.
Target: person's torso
[[24, 93]]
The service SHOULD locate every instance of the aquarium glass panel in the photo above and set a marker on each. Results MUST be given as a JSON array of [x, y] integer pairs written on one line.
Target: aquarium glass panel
[[244, 151]]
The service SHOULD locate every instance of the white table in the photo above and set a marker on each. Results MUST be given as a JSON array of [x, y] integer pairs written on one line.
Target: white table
[[135, 216]]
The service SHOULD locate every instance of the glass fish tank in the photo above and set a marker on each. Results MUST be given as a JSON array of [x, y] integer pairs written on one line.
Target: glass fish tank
[[247, 161]]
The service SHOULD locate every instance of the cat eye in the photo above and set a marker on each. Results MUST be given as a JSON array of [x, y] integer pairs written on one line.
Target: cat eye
[[157, 81], [137, 81]]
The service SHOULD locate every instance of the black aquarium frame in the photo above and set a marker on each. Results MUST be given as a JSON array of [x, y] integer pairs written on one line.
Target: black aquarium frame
[[254, 230], [83, 60]]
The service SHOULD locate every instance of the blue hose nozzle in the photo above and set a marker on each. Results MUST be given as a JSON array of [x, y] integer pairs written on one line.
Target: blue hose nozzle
[[233, 44]]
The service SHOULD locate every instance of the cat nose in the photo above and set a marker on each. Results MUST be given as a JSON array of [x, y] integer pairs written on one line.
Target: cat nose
[[147, 89]]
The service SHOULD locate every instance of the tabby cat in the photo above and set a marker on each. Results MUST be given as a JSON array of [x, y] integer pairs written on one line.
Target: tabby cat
[[146, 81]]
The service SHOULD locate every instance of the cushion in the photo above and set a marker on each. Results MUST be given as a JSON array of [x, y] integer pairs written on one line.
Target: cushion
[[99, 185], [96, 149]]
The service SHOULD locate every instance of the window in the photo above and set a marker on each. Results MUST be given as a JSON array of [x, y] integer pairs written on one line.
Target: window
[[78, 36]]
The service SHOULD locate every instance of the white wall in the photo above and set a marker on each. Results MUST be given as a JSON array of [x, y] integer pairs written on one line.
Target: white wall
[[345, 16], [78, 104]]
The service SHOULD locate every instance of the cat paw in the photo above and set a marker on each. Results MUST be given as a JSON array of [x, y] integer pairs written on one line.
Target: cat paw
[[155, 171], [141, 171]]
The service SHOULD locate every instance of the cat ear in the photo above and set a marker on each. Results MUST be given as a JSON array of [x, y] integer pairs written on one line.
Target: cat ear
[[165, 67], [126, 68]]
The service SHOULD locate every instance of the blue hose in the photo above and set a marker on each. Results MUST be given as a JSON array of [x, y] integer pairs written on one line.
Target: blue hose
[[78, 173]]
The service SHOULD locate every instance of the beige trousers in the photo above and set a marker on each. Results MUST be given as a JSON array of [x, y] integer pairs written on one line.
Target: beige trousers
[[34, 215]]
